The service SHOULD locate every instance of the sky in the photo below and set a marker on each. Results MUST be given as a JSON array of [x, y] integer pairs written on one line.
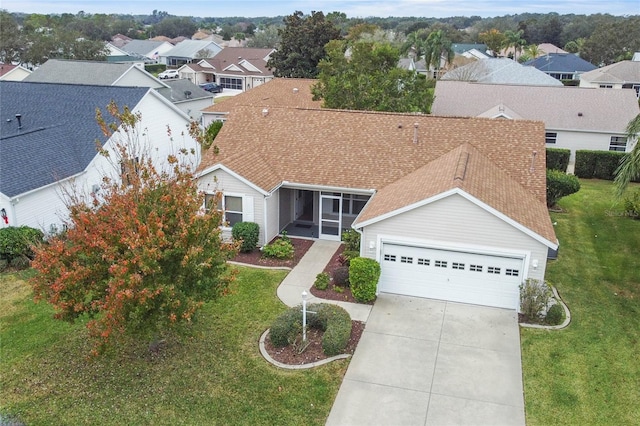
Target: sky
[[353, 8]]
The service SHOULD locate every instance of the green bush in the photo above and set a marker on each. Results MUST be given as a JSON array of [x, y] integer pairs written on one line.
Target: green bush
[[560, 184], [534, 297], [558, 159], [332, 319], [322, 281], [22, 262], [341, 276], [347, 255], [248, 233], [351, 240], [3, 264], [632, 204], [16, 242], [363, 278], [155, 68], [597, 164], [555, 315], [279, 249]]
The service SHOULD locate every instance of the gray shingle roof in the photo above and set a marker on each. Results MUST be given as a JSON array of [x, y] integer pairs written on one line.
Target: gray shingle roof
[[561, 108], [58, 134], [78, 72], [620, 72], [560, 62], [177, 88], [189, 48], [141, 47], [501, 71]]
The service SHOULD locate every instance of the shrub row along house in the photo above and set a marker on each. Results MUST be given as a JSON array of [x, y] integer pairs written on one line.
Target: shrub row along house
[[457, 202]]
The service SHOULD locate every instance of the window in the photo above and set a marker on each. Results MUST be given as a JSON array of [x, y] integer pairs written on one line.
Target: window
[[606, 86], [493, 270], [406, 259], [475, 268], [424, 262], [550, 137], [441, 264], [128, 169], [456, 265], [352, 204], [618, 143], [636, 87], [390, 257], [231, 83], [230, 205], [512, 272]]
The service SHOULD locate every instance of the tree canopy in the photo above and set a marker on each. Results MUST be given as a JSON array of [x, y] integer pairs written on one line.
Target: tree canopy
[[302, 42], [369, 79], [140, 256]]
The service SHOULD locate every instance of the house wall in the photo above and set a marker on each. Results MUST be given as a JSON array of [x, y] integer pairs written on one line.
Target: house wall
[[135, 78], [193, 108], [220, 180], [586, 83], [273, 207], [455, 220], [582, 141], [44, 209], [16, 74]]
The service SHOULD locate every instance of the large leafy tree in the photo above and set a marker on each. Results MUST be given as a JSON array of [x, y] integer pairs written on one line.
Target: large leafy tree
[[369, 79], [10, 40], [302, 42], [629, 169], [140, 257], [493, 38], [612, 42]]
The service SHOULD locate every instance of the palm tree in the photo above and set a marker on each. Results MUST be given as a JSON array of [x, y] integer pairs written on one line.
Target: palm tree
[[629, 168], [437, 45], [514, 39], [533, 50], [415, 42]]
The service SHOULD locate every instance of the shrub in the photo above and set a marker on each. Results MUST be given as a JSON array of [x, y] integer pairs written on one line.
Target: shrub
[[341, 276], [279, 249], [363, 278], [534, 297], [286, 327], [21, 262], [16, 242], [3, 264], [248, 233], [347, 255], [632, 204], [322, 281], [558, 159], [351, 240], [560, 184], [555, 315], [597, 164]]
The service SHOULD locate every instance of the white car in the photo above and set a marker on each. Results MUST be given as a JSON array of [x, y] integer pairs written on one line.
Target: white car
[[168, 74]]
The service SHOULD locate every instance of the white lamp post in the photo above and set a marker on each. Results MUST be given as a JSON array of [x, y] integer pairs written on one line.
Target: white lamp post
[[304, 316]]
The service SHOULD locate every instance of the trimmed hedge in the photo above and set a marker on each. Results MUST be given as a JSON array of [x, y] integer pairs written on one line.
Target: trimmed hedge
[[363, 278], [597, 164], [248, 233], [322, 281], [16, 242], [560, 184], [332, 319], [558, 158]]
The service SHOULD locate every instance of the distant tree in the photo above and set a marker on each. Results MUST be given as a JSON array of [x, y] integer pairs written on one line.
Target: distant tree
[[356, 32], [174, 26], [611, 41], [141, 257], [369, 80], [415, 44], [514, 39], [494, 40], [10, 40], [61, 44], [302, 45], [437, 46], [574, 46], [265, 38]]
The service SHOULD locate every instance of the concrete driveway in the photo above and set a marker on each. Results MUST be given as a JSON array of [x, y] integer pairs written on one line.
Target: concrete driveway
[[430, 362]]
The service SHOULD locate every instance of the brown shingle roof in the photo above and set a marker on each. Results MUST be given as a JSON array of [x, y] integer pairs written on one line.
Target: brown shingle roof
[[230, 56]]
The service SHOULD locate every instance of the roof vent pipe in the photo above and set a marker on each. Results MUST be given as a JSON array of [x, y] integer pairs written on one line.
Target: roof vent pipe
[[295, 90], [19, 118], [415, 133]]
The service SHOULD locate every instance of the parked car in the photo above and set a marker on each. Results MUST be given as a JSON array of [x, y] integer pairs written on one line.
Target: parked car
[[212, 87], [168, 74]]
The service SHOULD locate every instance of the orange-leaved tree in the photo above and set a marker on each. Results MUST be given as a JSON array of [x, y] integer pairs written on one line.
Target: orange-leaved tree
[[140, 256]]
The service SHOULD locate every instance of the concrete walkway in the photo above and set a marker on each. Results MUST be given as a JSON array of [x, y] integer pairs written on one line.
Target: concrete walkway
[[431, 362], [303, 275]]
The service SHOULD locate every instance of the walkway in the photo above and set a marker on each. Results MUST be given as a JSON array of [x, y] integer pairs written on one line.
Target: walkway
[[303, 275]]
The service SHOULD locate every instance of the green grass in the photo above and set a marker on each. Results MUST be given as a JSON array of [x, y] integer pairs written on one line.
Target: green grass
[[589, 373], [215, 376]]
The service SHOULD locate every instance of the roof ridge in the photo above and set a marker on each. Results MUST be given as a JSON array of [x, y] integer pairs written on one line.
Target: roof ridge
[[461, 166]]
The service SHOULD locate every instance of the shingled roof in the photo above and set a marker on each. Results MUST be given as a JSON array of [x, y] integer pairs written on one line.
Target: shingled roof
[[620, 72], [78, 72], [501, 71], [58, 134]]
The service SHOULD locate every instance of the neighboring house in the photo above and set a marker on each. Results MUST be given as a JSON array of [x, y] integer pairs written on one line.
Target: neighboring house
[[574, 118], [282, 93], [500, 71], [543, 49], [188, 97], [452, 208], [636, 56], [189, 51], [411, 64], [621, 75], [120, 40], [235, 68], [148, 49], [48, 139], [563, 66], [468, 50], [92, 72], [10, 72]]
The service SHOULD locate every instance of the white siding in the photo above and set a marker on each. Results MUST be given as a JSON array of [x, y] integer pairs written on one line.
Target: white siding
[[193, 108], [42, 209], [220, 180], [134, 77], [456, 221], [581, 140], [273, 205]]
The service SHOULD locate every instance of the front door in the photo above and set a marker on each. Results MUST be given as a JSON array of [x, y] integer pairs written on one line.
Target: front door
[[330, 217]]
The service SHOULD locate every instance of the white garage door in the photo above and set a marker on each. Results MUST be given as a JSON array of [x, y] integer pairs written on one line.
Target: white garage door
[[451, 275]]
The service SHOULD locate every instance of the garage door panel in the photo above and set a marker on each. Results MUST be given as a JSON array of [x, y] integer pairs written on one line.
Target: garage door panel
[[451, 275]]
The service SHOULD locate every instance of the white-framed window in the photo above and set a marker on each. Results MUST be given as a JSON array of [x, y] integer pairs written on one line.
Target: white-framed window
[[636, 87], [390, 257], [606, 86], [457, 265], [231, 83], [406, 259], [234, 207], [423, 262], [441, 264], [493, 270], [550, 137], [475, 268], [618, 143], [352, 204], [512, 272]]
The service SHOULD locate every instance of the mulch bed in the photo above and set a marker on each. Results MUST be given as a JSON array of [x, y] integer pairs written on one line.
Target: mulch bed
[[300, 247], [289, 354], [330, 293]]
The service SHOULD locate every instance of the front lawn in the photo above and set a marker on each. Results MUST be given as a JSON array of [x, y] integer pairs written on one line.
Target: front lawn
[[215, 376], [589, 373]]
